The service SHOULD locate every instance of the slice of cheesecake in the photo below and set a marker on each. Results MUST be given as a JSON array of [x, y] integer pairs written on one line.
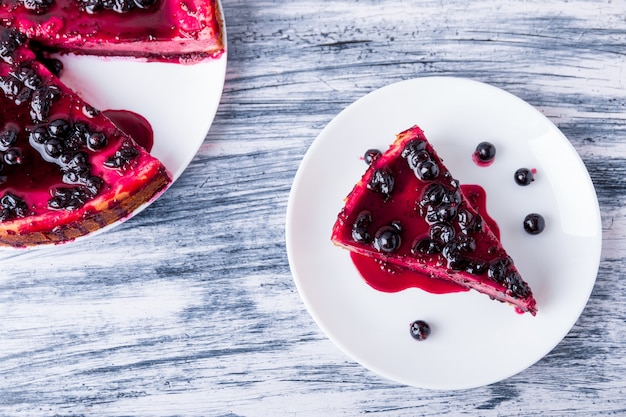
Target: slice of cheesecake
[[408, 210], [65, 169], [184, 31]]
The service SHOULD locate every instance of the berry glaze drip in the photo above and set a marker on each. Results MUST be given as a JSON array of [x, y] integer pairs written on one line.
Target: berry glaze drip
[[134, 125], [390, 278]]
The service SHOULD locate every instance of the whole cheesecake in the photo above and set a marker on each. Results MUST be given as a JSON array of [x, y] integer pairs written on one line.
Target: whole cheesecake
[[408, 210], [65, 169], [184, 31]]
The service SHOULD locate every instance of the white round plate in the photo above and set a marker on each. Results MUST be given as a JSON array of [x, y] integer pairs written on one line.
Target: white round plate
[[474, 341]]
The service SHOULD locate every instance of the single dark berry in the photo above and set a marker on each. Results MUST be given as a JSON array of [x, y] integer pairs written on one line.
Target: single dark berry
[[433, 194], [426, 246], [53, 65], [37, 6], [524, 176], [93, 184], [413, 147], [59, 128], [371, 155], [144, 4], [387, 239], [53, 147], [485, 151], [122, 157], [360, 232], [39, 134], [420, 330], [11, 207], [458, 264], [452, 197], [426, 170], [468, 222], [42, 101], [476, 267], [498, 269], [534, 223], [382, 182], [10, 39], [96, 141], [13, 156], [515, 285], [7, 138], [465, 243], [415, 158], [442, 232], [445, 212]]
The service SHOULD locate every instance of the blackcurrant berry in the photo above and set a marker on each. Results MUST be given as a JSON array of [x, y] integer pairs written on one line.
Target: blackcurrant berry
[[524, 176], [534, 223], [485, 151], [420, 330], [387, 239], [371, 155]]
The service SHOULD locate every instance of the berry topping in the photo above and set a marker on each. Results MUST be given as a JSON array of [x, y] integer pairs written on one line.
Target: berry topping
[[515, 285], [42, 101], [468, 222], [122, 157], [476, 267], [427, 246], [371, 155], [70, 198], [427, 170], [118, 6], [485, 152], [420, 330], [10, 39], [11, 207], [498, 269], [382, 182], [13, 156], [360, 227], [442, 232], [523, 176], [38, 6], [387, 239], [534, 223], [8, 137]]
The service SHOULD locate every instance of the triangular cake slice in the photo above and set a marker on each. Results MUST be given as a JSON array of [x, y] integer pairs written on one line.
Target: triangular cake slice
[[163, 30], [408, 210], [65, 169]]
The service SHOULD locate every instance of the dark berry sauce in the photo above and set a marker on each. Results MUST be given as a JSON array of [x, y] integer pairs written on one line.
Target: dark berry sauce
[[134, 125], [390, 278]]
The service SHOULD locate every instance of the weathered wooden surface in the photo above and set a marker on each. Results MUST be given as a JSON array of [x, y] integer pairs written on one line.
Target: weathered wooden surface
[[189, 308]]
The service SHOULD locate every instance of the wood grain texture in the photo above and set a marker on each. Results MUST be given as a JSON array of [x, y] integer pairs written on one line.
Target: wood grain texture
[[189, 309]]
